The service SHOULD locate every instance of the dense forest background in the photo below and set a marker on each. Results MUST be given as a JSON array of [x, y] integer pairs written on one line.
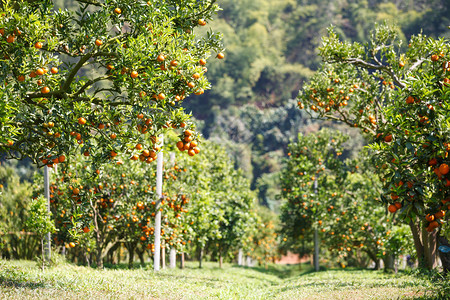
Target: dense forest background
[[270, 51]]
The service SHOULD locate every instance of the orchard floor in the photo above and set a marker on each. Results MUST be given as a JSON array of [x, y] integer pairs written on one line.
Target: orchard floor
[[23, 280]]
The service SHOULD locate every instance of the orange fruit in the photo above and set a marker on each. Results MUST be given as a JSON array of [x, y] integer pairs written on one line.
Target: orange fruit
[[134, 74], [117, 10], [220, 55], [202, 61], [160, 58], [71, 244], [81, 121], [40, 71], [98, 42], [398, 205], [38, 45], [54, 70], [443, 169], [392, 208], [388, 138], [45, 90], [10, 38], [61, 158]]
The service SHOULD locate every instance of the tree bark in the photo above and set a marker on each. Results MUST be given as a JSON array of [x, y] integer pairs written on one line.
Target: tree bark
[[200, 258], [375, 259], [220, 260], [130, 256], [388, 262], [182, 260]]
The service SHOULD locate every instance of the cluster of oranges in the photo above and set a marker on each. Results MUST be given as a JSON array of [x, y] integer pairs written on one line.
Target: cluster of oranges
[[434, 220], [188, 143]]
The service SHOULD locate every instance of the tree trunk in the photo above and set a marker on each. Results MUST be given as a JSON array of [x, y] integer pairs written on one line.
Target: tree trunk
[[417, 242], [429, 248], [86, 256], [130, 256], [141, 257], [43, 255], [182, 260], [375, 259], [388, 262], [220, 260], [200, 258]]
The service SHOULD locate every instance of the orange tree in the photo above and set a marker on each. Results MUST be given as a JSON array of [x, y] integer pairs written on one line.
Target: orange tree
[[114, 204], [262, 242], [311, 159], [102, 79], [341, 207], [399, 98], [221, 212]]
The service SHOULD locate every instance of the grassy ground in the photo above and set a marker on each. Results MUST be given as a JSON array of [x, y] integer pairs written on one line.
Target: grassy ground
[[23, 280]]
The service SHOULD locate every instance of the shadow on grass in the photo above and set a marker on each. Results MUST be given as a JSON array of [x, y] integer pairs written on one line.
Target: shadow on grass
[[11, 281], [282, 271]]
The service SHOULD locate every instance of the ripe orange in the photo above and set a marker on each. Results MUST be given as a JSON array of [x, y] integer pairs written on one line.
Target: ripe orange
[[61, 158], [392, 208], [444, 169], [10, 39], [71, 244], [45, 90], [38, 45], [200, 91], [220, 55], [40, 71], [134, 74], [388, 138], [98, 42], [433, 162], [21, 78], [201, 22], [160, 58], [434, 57], [174, 63], [429, 217], [202, 61], [81, 121], [86, 229], [138, 147], [76, 191], [113, 136], [191, 84], [54, 70], [161, 96], [440, 214], [398, 205], [117, 10], [410, 100], [113, 153]]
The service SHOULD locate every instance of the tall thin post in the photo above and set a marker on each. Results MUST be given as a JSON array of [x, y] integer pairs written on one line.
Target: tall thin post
[[173, 252], [316, 236], [173, 258], [159, 177], [47, 246]]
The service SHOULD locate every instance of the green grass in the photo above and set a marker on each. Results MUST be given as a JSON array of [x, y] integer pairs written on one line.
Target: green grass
[[23, 280]]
